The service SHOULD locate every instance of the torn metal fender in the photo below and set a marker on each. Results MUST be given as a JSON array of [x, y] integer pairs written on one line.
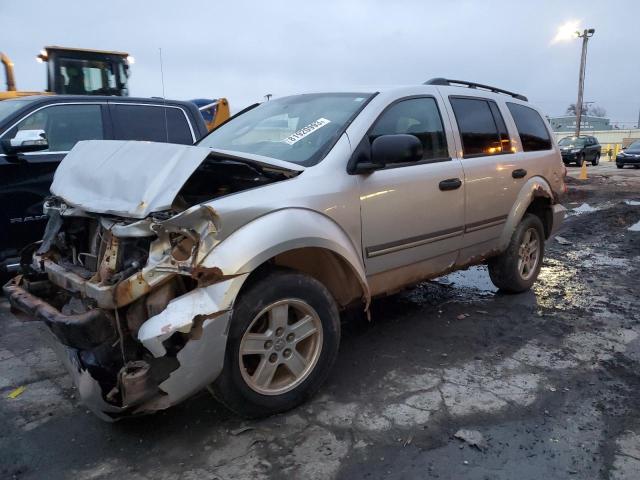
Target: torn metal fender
[[183, 312], [534, 187], [204, 313], [283, 230]]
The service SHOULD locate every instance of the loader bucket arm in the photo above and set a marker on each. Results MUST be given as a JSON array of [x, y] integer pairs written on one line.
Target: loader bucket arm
[[8, 70]]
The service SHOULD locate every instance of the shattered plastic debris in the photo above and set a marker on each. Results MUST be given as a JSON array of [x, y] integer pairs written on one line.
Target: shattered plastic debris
[[635, 227], [562, 240], [16, 392], [472, 437], [633, 203]]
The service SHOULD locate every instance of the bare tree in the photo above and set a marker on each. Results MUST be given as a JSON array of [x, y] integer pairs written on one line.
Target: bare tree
[[587, 109]]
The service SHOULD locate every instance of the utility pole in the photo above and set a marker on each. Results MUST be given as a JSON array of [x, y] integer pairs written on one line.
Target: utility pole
[[585, 35]]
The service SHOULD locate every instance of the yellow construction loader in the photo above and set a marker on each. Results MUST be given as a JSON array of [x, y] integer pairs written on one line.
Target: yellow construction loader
[[80, 71], [76, 71]]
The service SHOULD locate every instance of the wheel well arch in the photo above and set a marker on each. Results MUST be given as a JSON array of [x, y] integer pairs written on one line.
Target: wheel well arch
[[540, 206], [323, 264]]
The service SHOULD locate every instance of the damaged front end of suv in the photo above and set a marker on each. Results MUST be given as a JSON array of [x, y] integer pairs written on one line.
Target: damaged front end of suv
[[124, 277]]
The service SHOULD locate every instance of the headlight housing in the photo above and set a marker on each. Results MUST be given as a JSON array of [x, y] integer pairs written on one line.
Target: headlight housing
[[575, 150]]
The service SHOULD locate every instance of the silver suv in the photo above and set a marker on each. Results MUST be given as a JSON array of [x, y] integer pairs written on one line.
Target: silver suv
[[167, 268]]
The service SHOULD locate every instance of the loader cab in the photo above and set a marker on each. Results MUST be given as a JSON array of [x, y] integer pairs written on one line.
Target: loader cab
[[72, 71]]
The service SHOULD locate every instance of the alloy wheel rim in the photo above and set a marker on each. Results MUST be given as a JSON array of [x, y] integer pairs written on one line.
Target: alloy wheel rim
[[281, 347], [529, 254]]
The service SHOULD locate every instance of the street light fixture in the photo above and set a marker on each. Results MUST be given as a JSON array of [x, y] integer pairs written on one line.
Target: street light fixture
[[586, 34]]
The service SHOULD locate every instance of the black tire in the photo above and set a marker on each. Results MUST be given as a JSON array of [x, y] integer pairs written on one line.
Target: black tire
[[619, 165], [503, 269], [596, 160], [580, 159], [231, 389]]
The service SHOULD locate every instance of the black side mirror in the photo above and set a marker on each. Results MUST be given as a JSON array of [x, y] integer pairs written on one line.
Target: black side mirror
[[399, 148], [391, 149]]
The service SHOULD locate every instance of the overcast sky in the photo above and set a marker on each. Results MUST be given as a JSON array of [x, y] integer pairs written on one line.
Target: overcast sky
[[244, 49]]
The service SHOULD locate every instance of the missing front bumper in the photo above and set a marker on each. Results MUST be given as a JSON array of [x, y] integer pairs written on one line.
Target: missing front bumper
[[81, 331], [88, 344]]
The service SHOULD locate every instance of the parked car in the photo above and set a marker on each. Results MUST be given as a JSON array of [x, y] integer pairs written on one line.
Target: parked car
[[168, 268], [37, 132], [629, 156], [580, 149]]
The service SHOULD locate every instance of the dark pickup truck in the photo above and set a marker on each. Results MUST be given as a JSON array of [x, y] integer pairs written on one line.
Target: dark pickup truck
[[37, 132]]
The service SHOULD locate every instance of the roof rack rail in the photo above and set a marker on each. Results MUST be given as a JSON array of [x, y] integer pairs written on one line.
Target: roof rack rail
[[449, 82]]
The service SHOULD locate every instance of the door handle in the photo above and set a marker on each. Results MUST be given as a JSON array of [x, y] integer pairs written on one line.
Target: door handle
[[450, 184], [519, 173]]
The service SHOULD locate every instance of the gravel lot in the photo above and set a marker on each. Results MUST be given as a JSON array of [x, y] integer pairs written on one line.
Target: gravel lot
[[549, 379]]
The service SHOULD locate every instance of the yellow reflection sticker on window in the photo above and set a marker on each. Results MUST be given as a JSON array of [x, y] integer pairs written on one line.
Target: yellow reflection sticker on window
[[304, 131]]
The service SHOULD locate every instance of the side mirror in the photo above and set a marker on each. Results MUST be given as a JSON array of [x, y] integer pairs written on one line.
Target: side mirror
[[391, 149], [26, 141]]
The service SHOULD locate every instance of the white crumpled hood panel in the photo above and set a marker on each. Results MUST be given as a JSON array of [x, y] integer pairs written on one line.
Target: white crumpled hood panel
[[125, 178]]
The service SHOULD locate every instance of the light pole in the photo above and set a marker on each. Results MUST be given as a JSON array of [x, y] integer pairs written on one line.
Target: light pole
[[586, 34]]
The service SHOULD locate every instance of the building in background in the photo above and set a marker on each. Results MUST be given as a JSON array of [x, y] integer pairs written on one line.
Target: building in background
[[589, 123]]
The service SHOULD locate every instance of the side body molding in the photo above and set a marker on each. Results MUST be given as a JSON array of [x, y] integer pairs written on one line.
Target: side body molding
[[534, 187]]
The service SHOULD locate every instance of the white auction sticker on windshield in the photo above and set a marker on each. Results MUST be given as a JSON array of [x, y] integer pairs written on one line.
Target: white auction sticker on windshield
[[304, 131]]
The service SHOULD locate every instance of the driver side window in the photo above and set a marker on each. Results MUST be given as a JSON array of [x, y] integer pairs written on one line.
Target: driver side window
[[64, 125], [419, 117]]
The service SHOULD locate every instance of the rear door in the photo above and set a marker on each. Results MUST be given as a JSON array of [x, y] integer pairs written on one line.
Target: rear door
[[22, 193], [154, 123], [408, 219], [489, 167]]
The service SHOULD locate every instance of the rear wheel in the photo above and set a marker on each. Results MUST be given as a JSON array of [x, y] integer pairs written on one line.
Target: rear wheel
[[283, 341], [517, 268], [619, 165], [596, 160]]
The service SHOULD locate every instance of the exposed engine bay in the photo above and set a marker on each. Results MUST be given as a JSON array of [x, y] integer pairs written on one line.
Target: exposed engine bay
[[125, 296]]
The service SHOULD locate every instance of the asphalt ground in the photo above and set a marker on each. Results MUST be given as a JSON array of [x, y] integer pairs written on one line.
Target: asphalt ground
[[547, 383]]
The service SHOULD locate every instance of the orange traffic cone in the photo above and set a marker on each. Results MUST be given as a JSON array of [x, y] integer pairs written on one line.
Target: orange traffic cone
[[583, 171]]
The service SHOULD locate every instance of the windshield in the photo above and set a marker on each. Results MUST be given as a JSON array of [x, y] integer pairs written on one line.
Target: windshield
[[296, 129], [8, 107], [634, 146], [571, 141]]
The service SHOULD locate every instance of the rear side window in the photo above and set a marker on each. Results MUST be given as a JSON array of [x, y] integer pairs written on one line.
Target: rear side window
[[138, 122], [531, 128], [482, 128], [419, 117]]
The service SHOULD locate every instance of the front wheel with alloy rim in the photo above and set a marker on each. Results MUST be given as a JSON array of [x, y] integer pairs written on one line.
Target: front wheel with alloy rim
[[517, 268], [283, 341], [596, 160]]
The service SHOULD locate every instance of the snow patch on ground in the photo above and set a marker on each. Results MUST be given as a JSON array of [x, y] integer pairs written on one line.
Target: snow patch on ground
[[635, 227], [584, 208]]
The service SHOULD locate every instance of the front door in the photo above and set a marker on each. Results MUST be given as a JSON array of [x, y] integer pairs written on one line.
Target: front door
[[412, 214]]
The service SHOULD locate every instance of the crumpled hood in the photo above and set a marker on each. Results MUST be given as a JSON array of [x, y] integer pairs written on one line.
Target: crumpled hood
[[130, 178], [125, 178]]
